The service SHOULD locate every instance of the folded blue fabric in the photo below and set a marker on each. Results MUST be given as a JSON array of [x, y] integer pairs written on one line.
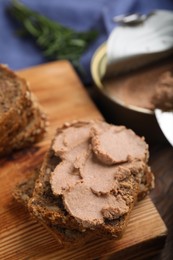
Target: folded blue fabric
[[80, 15]]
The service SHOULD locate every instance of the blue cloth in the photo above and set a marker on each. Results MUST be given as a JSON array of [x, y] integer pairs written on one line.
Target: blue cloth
[[80, 15]]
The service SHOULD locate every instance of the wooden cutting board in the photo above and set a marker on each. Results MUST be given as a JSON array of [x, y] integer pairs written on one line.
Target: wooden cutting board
[[63, 99]]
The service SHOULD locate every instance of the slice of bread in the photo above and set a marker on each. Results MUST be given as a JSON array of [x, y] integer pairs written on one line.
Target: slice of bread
[[17, 109], [32, 132], [50, 209], [23, 193], [14, 98]]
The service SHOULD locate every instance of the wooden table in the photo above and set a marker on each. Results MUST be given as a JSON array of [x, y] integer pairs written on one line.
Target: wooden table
[[161, 161], [162, 195], [64, 98]]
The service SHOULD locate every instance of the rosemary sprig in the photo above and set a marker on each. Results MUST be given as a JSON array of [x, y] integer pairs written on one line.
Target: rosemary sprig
[[56, 40]]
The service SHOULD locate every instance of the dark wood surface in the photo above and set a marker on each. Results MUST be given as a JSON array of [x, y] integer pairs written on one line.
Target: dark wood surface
[[161, 162], [162, 195]]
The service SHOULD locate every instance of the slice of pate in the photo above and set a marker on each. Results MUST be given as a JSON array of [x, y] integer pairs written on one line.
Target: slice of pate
[[101, 171]]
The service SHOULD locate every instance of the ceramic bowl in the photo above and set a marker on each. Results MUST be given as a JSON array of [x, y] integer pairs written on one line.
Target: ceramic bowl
[[142, 121]]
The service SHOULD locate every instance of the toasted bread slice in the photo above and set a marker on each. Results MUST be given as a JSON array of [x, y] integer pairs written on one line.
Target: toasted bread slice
[[17, 107], [31, 133], [14, 100], [23, 193], [51, 210]]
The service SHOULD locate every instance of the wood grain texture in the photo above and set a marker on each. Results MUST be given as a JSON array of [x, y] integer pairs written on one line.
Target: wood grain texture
[[162, 164], [63, 99]]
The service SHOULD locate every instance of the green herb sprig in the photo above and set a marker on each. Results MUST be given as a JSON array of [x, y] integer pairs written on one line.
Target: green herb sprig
[[56, 40]]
